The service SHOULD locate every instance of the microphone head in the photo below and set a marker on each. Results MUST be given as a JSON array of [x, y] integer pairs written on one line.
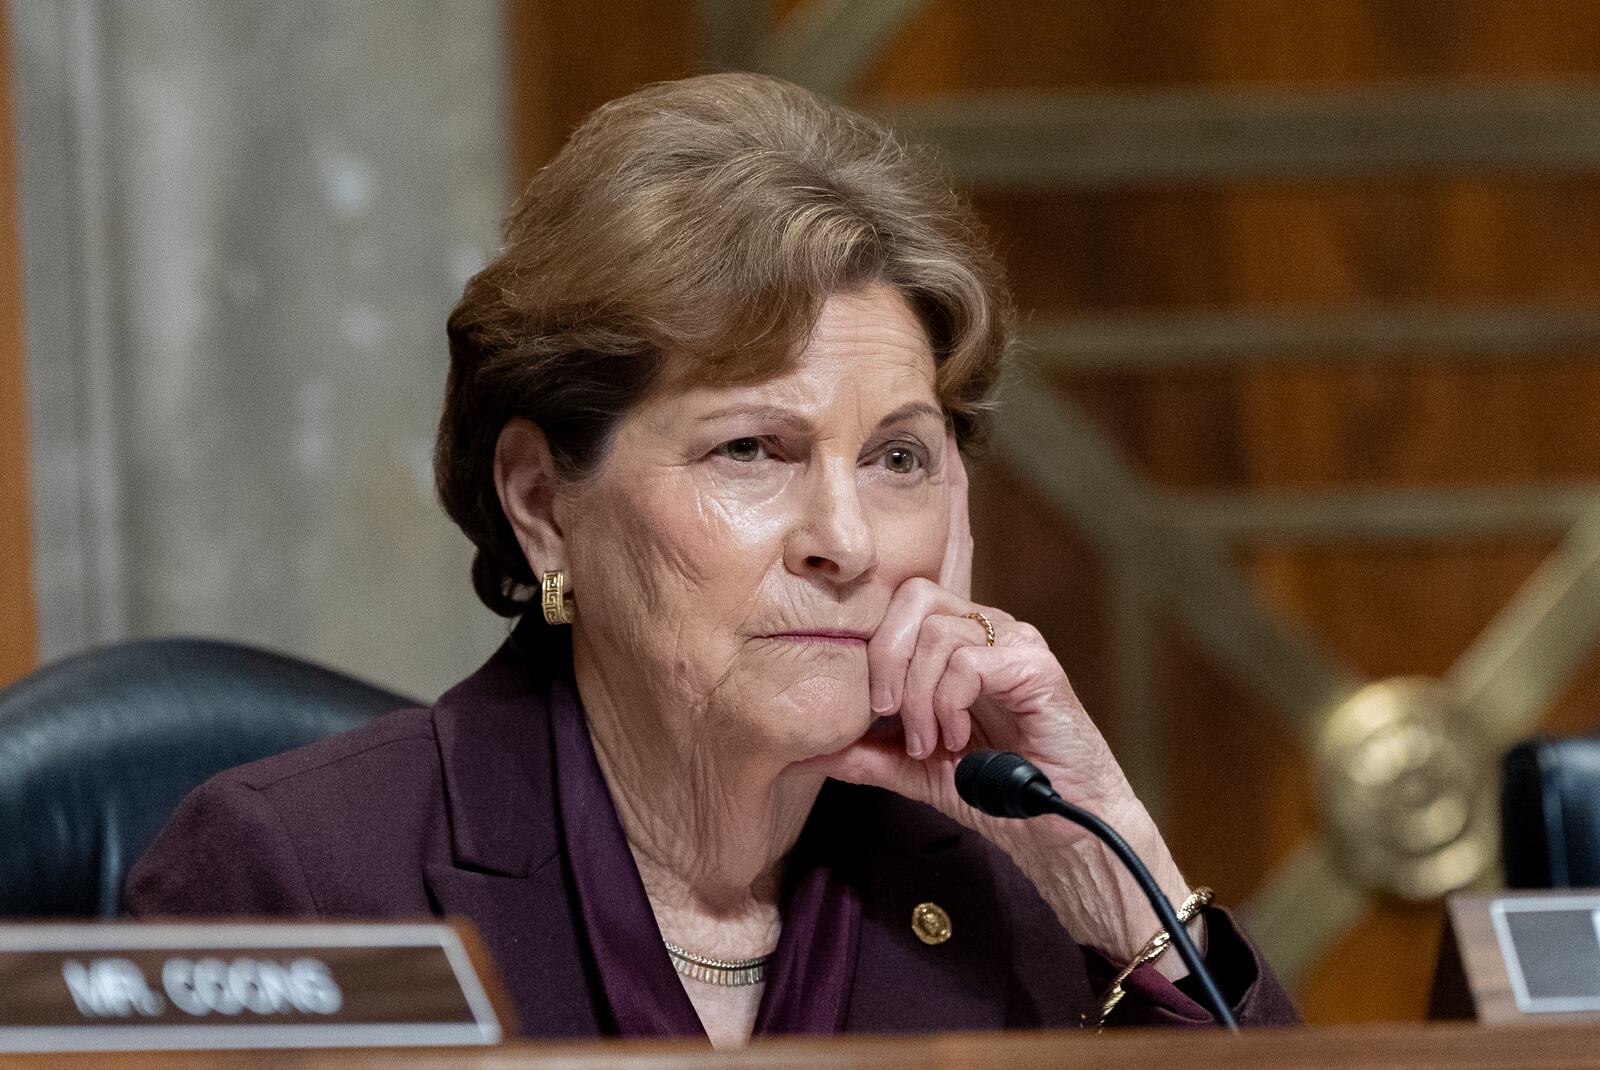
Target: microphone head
[[1002, 784]]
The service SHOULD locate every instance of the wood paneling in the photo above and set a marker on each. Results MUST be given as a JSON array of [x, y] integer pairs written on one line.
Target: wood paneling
[[1019, 45], [1445, 241], [18, 624], [567, 57]]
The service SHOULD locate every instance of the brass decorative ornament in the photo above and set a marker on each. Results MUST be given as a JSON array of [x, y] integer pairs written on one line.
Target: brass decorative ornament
[[554, 599], [930, 922], [1407, 789]]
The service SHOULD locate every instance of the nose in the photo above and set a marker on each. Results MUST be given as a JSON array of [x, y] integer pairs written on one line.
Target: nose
[[833, 538]]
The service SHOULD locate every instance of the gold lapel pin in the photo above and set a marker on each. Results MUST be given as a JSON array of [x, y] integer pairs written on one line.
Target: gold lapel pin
[[930, 922]]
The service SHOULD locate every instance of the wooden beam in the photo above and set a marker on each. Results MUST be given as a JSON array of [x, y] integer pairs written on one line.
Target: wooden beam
[[828, 44], [1116, 509], [1165, 341], [18, 618], [1140, 137], [1384, 514]]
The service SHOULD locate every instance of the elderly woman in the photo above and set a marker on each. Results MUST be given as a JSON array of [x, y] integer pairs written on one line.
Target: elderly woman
[[708, 410]]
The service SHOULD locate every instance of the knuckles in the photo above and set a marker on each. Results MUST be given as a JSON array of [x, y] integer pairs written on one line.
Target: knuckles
[[919, 591], [1026, 633], [940, 631], [967, 659]]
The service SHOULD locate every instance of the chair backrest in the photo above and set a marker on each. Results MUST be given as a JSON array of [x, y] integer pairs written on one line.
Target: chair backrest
[[1550, 813], [97, 751]]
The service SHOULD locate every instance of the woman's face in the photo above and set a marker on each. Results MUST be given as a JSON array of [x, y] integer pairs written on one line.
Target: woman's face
[[739, 545]]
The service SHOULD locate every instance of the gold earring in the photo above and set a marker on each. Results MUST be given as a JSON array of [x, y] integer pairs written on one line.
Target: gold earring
[[553, 598]]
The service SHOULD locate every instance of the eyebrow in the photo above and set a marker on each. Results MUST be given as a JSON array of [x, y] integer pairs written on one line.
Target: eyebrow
[[910, 409], [800, 423], [763, 412]]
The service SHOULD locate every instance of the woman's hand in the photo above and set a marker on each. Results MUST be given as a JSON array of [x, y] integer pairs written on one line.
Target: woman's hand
[[930, 664]]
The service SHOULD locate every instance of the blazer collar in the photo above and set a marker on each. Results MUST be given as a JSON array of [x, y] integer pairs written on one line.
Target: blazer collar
[[494, 743]]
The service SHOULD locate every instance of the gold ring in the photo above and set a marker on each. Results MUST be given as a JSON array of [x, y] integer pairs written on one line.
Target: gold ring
[[988, 625]]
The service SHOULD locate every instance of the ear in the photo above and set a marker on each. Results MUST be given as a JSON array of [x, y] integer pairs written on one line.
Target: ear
[[525, 479]]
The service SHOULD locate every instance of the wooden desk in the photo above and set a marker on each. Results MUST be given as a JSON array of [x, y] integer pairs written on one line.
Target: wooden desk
[[1386, 1047]]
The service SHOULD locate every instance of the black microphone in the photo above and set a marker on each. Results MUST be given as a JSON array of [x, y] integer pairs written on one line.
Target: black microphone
[[1003, 784]]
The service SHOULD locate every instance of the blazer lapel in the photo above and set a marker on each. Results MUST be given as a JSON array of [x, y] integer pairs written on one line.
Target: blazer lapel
[[502, 870], [528, 927], [903, 984]]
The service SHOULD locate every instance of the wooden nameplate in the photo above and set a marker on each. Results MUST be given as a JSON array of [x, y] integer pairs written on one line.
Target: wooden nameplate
[[125, 986], [1520, 957]]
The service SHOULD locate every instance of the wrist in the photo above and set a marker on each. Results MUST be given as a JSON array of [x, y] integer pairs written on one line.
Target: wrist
[[1171, 965], [1099, 903], [1153, 954]]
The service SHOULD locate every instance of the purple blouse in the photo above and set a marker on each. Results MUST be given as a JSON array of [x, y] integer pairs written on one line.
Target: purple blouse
[[808, 981]]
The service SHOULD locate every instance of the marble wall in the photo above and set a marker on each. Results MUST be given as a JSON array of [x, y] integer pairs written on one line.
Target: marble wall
[[244, 224]]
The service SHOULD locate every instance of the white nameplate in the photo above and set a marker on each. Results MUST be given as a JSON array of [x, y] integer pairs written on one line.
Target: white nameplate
[[166, 986], [1551, 947]]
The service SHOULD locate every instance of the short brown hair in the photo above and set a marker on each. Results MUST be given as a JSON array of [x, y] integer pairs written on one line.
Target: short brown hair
[[692, 231]]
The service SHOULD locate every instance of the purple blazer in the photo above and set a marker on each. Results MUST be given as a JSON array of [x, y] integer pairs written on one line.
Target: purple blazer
[[453, 811]]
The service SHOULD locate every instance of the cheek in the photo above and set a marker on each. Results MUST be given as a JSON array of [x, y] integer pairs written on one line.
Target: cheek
[[912, 537], [664, 552]]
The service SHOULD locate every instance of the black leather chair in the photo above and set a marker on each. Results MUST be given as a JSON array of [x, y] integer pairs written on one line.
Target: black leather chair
[[1550, 813], [96, 751]]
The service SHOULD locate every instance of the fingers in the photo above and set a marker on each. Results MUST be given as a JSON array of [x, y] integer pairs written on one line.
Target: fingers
[[955, 571], [959, 687], [926, 725], [879, 761], [997, 672], [890, 650], [924, 624]]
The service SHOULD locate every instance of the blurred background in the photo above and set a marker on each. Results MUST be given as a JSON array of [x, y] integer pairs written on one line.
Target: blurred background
[[1300, 477]]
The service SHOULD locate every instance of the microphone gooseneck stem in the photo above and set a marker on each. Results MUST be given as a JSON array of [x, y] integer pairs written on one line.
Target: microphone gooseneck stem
[[1005, 784], [1152, 891]]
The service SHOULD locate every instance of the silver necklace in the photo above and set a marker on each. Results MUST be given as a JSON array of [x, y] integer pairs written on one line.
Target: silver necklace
[[729, 973]]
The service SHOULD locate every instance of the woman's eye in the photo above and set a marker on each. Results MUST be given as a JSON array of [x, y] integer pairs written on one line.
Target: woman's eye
[[742, 449], [900, 460]]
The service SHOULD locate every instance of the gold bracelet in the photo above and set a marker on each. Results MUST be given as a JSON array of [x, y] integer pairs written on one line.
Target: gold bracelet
[[1152, 950]]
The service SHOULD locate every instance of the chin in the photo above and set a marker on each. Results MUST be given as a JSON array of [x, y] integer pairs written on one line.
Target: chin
[[818, 717]]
